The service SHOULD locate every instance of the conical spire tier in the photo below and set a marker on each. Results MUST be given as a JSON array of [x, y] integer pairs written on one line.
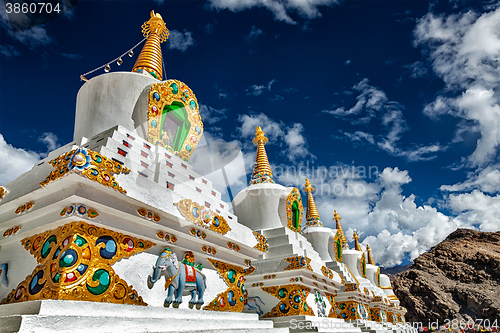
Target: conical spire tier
[[262, 172], [337, 219], [370, 257], [357, 247], [150, 59], [312, 216]]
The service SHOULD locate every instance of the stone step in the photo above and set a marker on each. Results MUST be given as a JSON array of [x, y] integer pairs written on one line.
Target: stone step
[[62, 323], [282, 240], [287, 250], [315, 324], [79, 316]]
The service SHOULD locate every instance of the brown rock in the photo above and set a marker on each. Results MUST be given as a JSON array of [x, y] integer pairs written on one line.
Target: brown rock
[[457, 279]]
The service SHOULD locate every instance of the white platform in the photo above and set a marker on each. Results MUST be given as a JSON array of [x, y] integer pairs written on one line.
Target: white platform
[[78, 316]]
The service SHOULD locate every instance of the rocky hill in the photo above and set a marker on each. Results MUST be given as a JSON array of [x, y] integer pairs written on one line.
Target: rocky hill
[[457, 279]]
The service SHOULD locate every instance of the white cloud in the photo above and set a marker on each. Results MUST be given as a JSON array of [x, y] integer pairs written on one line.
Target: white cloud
[[417, 69], [277, 132], [360, 136], [8, 51], [280, 8], [210, 115], [258, 90], [463, 49], [372, 103], [32, 37], [253, 34], [486, 180], [14, 161], [181, 41], [50, 140]]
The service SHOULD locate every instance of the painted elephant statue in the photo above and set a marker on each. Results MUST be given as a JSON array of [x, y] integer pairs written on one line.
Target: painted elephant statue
[[180, 280]]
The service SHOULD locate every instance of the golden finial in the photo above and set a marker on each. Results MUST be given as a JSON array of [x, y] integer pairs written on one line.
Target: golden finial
[[312, 215], [262, 170], [150, 59], [370, 257], [337, 219], [355, 236]]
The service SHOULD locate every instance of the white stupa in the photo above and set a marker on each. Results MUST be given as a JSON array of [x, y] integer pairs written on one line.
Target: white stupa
[[87, 230]]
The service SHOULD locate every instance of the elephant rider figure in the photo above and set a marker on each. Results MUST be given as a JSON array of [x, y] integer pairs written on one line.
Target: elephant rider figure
[[181, 278]]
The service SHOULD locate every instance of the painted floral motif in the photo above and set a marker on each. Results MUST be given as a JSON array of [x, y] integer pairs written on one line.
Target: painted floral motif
[[24, 208], [292, 301], [89, 164], [74, 263], [232, 299], [79, 210], [331, 299], [202, 216], [320, 304]]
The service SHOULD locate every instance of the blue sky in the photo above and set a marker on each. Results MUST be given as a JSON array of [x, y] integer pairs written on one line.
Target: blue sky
[[409, 90]]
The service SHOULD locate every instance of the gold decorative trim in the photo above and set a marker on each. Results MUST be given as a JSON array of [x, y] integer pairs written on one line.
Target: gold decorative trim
[[74, 263], [262, 172], [164, 94], [203, 216], [198, 233], [24, 208], [377, 315], [166, 237], [209, 250], [79, 210], [294, 196], [232, 298], [262, 244], [3, 192], [148, 215], [348, 310], [378, 277], [89, 164], [362, 264], [11, 231], [292, 301], [327, 272], [337, 239], [233, 246], [298, 262]]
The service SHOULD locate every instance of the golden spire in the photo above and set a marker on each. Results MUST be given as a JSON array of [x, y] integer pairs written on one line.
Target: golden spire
[[150, 58], [312, 216], [370, 257], [357, 247], [337, 219], [262, 170]]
